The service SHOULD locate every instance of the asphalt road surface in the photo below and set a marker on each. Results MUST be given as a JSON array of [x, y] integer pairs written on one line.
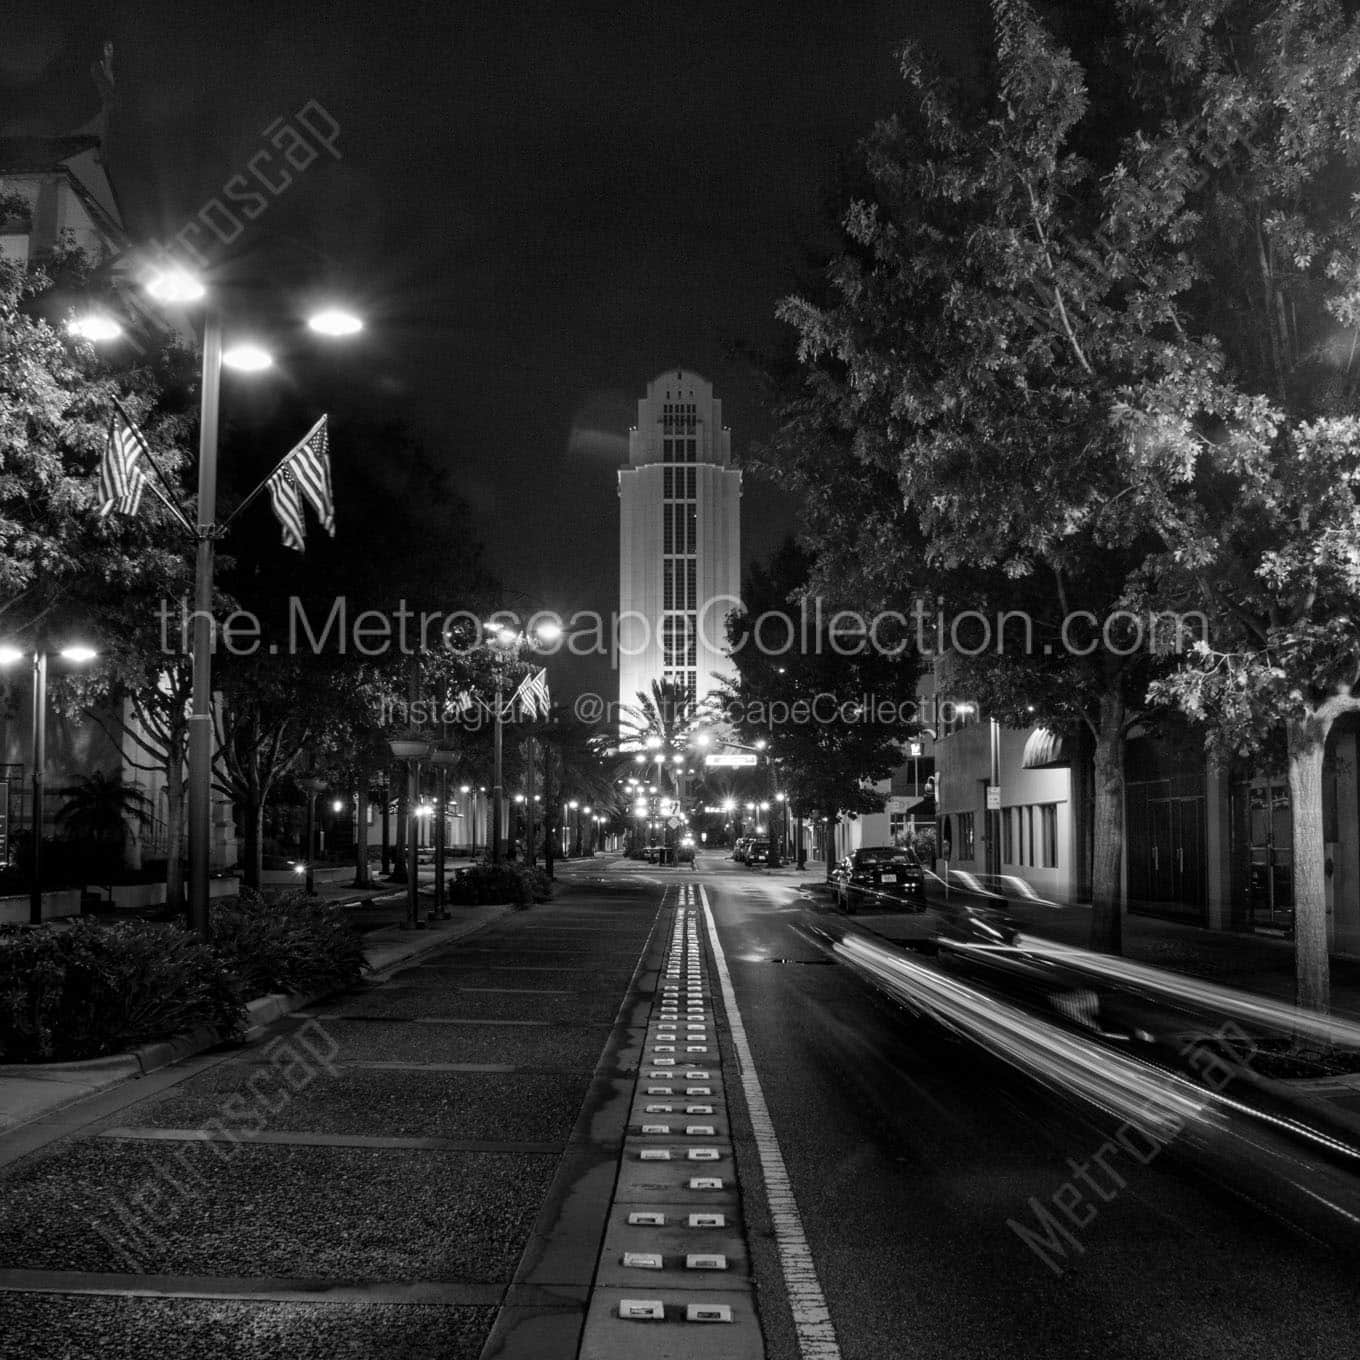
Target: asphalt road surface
[[909, 1152]]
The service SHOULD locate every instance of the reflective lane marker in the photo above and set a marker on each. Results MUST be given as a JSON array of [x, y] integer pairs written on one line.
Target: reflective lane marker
[[811, 1318]]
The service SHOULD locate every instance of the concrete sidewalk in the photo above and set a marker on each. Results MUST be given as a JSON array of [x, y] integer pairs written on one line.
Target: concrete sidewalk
[[33, 1091]]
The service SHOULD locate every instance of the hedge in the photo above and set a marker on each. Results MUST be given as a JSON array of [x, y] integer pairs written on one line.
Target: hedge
[[91, 989], [293, 943], [518, 884]]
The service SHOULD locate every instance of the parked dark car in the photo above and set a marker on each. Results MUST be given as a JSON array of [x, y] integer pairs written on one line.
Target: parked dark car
[[880, 876], [757, 855]]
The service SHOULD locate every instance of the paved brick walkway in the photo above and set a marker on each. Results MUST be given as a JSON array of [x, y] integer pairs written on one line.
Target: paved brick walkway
[[363, 1183]]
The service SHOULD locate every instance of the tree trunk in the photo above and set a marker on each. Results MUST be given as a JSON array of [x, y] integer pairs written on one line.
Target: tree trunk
[[253, 843], [399, 845], [1307, 740], [1107, 857], [361, 879]]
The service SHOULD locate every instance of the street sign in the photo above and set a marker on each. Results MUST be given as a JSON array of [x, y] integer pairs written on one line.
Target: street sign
[[729, 760], [915, 749], [993, 797], [673, 823], [898, 802]]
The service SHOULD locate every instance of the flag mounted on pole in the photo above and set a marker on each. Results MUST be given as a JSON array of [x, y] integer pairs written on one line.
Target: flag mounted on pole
[[121, 480], [287, 503], [532, 695], [304, 472], [310, 462]]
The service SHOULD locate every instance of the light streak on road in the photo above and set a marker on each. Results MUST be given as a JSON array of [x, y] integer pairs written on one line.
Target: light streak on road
[[1131, 1090], [1210, 996]]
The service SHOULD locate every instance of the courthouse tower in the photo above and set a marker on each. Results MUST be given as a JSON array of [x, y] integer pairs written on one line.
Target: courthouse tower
[[679, 539]]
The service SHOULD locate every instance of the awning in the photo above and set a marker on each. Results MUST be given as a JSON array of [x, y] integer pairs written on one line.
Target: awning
[[1044, 749]]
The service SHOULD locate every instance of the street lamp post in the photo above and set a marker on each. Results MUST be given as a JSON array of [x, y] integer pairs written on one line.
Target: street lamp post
[[311, 786], [442, 759], [177, 287], [498, 791], [35, 911], [411, 750], [200, 704], [8, 656]]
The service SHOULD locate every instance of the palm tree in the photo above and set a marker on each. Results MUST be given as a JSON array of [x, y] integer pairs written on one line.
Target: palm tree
[[662, 718], [659, 727], [99, 809]]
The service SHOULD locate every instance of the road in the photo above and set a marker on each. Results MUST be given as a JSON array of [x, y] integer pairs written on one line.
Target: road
[[909, 1152]]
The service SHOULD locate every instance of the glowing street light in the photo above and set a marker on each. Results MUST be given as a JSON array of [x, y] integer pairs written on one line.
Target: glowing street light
[[335, 321], [95, 326], [175, 285], [247, 358]]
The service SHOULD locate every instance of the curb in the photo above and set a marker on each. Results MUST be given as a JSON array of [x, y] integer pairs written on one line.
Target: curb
[[95, 1075]]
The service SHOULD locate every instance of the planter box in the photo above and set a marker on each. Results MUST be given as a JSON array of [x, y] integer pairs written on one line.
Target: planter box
[[121, 897], [62, 902], [290, 878]]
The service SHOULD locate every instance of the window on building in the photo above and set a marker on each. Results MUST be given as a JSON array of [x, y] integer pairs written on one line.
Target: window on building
[[1029, 835], [1048, 821], [1007, 836], [966, 846]]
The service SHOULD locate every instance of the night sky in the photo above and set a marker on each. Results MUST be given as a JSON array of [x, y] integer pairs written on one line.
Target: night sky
[[538, 207]]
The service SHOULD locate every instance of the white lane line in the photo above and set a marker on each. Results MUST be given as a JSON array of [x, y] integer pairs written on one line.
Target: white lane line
[[811, 1318]]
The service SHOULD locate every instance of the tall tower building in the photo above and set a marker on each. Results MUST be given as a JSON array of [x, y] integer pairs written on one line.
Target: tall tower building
[[679, 540]]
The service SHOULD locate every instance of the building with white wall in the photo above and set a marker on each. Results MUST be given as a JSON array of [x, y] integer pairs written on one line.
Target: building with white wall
[[679, 540]]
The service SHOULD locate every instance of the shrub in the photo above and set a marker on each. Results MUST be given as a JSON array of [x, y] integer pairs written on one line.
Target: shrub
[[96, 988], [488, 883], [540, 885], [294, 943]]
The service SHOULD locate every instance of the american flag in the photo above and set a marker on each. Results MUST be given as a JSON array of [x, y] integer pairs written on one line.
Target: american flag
[[311, 465], [121, 480], [532, 695], [283, 494]]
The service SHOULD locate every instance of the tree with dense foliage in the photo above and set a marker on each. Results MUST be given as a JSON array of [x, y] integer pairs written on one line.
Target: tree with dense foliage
[[63, 568], [1253, 166], [952, 431]]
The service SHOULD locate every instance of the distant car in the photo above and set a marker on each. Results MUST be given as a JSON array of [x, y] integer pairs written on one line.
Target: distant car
[[880, 876], [739, 848], [684, 852], [758, 854]]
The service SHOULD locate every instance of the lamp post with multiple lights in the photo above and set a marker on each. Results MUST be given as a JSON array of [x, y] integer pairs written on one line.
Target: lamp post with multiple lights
[[177, 287], [505, 643], [412, 751]]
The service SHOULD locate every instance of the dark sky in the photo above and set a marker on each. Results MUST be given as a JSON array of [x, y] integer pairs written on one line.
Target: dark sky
[[538, 206]]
